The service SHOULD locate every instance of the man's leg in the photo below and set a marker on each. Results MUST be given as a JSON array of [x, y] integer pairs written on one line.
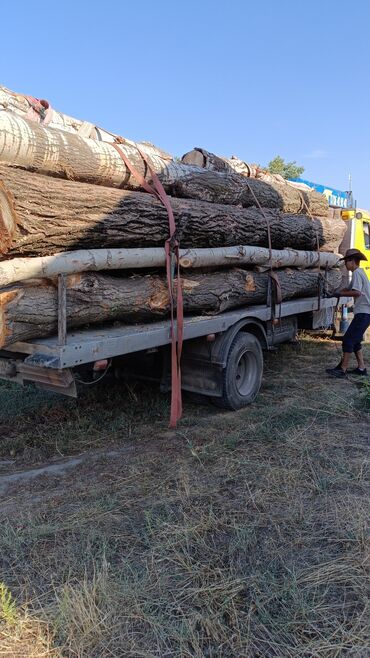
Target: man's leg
[[345, 361], [360, 359], [340, 370], [361, 368], [363, 322]]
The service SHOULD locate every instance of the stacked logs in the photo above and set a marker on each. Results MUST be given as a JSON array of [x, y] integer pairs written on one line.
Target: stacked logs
[[72, 201]]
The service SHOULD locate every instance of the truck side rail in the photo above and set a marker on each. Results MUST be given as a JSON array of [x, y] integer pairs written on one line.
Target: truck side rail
[[88, 345]]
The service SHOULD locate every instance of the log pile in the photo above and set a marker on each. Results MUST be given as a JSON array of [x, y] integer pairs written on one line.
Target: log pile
[[74, 200]]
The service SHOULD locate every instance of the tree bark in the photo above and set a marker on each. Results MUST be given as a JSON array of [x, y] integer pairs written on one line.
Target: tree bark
[[23, 105], [95, 260], [30, 310], [230, 180], [234, 189], [202, 158], [246, 255], [50, 214], [24, 143]]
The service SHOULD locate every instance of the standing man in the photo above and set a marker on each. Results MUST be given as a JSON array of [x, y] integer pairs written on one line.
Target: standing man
[[360, 291]]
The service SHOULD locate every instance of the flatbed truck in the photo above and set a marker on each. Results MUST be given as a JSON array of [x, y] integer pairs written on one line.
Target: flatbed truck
[[222, 354]]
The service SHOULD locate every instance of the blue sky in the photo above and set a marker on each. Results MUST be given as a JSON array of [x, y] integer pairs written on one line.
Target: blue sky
[[246, 78]]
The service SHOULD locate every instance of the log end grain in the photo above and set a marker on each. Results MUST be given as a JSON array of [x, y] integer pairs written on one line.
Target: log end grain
[[194, 157], [5, 332], [8, 220], [158, 302]]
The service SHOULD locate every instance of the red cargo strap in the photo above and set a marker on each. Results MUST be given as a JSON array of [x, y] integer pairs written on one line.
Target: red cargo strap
[[39, 109], [278, 292], [172, 254]]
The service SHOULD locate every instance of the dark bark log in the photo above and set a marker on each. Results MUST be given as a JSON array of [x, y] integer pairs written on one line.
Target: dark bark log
[[51, 215], [202, 158], [30, 310], [234, 189], [271, 191]]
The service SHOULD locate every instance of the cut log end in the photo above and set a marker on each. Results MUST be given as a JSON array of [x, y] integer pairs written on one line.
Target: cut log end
[[8, 222], [3, 331], [194, 157], [159, 301], [5, 298], [185, 262]]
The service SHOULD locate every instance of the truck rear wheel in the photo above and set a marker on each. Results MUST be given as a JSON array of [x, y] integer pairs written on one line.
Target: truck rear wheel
[[242, 375]]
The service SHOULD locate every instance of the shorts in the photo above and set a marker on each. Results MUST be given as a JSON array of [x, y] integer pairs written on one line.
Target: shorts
[[351, 341]]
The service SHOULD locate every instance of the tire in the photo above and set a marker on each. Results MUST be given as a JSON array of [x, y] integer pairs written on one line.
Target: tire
[[242, 375]]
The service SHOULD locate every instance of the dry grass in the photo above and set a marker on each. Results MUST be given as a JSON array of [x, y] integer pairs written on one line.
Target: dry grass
[[21, 635], [239, 534]]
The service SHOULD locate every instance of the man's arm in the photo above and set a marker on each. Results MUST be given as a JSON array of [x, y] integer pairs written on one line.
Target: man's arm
[[355, 289], [347, 292]]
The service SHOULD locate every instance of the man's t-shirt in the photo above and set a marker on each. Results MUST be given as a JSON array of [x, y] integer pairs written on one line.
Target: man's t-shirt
[[361, 283]]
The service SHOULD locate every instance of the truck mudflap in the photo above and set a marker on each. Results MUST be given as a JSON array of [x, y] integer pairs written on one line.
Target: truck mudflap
[[39, 374]]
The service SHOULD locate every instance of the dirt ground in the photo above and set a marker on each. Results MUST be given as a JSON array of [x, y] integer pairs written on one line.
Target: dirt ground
[[238, 534]]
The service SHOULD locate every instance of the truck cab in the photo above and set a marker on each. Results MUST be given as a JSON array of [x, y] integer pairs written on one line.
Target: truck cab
[[358, 234]]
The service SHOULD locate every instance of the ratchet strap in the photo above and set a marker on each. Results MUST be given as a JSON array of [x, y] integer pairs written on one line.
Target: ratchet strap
[[172, 265], [321, 281], [276, 292]]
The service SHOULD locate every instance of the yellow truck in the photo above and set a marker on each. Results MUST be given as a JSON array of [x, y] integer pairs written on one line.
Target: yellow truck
[[358, 221], [358, 234]]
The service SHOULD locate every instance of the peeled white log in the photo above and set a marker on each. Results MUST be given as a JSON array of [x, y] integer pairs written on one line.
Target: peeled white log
[[82, 260], [22, 105], [94, 260], [24, 143], [248, 255]]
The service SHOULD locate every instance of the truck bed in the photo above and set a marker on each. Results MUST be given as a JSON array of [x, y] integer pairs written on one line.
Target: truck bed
[[87, 345]]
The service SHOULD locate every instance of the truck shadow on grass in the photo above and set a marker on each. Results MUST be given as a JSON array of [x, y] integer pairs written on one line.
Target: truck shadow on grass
[[36, 425]]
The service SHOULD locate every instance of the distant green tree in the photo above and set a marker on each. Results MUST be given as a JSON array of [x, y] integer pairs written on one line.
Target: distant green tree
[[285, 169]]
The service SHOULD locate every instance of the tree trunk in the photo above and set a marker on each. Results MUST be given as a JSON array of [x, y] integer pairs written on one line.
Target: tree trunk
[[201, 158], [24, 143], [42, 113], [245, 255], [205, 159], [30, 310], [231, 188], [229, 180], [95, 260], [48, 214]]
